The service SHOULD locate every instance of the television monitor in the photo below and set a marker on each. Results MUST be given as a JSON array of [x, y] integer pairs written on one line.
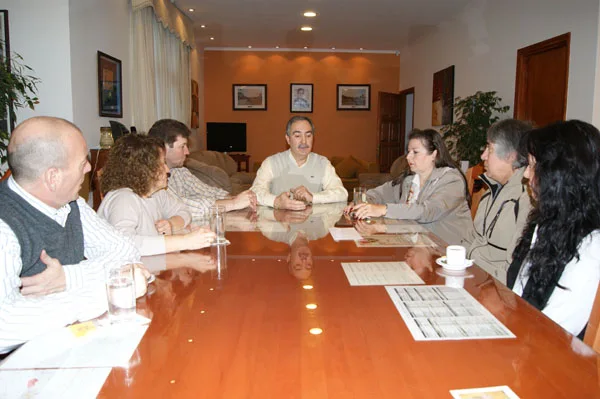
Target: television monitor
[[226, 136]]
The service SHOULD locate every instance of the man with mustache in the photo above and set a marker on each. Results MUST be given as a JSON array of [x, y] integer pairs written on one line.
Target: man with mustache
[[297, 177]]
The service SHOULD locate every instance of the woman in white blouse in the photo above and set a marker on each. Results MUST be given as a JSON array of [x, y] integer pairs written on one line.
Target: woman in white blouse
[[137, 202], [556, 265]]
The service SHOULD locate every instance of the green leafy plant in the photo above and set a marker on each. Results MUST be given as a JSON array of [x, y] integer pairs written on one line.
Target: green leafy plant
[[18, 89], [466, 136]]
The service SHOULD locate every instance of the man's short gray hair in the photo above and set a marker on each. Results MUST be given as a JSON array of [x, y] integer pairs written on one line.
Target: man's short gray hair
[[506, 135], [294, 119], [30, 159]]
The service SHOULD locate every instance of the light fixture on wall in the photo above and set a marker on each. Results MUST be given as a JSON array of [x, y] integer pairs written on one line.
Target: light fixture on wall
[[306, 28], [212, 38], [191, 9], [310, 14], [203, 26]]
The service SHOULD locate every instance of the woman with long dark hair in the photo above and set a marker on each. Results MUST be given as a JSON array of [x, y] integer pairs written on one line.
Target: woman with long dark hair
[[556, 264], [432, 192]]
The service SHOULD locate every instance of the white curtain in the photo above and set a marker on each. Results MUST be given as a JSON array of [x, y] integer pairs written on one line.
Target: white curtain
[[161, 83]]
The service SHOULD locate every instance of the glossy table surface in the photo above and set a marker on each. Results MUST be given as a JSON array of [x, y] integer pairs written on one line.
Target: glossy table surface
[[246, 334]]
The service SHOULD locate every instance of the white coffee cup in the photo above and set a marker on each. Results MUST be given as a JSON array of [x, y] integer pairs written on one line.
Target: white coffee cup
[[455, 255]]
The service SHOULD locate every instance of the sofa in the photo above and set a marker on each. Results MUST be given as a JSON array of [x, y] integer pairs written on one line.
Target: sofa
[[371, 180], [349, 169], [220, 170]]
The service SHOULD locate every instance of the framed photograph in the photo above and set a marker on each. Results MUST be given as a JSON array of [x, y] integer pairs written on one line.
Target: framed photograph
[[354, 97], [110, 86], [443, 97], [301, 97], [249, 97]]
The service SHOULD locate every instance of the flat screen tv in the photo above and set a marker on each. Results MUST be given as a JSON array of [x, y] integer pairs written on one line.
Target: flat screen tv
[[226, 136]]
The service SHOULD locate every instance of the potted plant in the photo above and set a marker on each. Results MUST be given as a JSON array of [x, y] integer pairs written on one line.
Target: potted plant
[[17, 90], [466, 136]]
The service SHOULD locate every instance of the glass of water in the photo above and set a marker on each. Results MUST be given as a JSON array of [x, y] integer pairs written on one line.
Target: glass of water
[[120, 291], [217, 223]]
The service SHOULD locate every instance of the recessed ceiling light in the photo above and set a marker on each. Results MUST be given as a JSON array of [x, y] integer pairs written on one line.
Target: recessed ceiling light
[[191, 10], [305, 47], [212, 38], [310, 14], [276, 46], [203, 26], [361, 49], [306, 28], [333, 48], [249, 46]]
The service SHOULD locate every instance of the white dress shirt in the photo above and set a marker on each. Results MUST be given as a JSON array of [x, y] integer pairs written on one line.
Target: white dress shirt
[[197, 195], [24, 317], [571, 307]]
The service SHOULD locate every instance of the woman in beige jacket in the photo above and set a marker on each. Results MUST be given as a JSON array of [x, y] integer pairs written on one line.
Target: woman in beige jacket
[[433, 193]]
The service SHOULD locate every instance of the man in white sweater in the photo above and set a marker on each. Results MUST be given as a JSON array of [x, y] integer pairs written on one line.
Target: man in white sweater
[[298, 177]]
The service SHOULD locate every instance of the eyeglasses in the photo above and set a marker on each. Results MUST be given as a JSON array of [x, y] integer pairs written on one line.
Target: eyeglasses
[[489, 147]]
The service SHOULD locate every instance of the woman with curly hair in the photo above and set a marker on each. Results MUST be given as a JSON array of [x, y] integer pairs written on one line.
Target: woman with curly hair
[[137, 202], [556, 264], [432, 192]]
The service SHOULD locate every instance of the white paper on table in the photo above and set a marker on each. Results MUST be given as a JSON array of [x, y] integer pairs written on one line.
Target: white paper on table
[[105, 346], [437, 312], [380, 273], [344, 234], [395, 240], [500, 392], [53, 383], [405, 229]]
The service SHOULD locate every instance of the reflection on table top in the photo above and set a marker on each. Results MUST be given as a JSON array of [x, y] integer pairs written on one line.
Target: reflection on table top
[[245, 332]]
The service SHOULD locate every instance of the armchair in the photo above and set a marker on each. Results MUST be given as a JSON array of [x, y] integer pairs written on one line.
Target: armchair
[[372, 180]]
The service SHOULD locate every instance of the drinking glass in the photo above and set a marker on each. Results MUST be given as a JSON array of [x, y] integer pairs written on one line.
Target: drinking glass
[[360, 195], [120, 291], [219, 255], [217, 223]]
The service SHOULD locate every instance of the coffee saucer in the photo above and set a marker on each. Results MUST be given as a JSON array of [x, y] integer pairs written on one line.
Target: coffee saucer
[[442, 262], [150, 279], [453, 273]]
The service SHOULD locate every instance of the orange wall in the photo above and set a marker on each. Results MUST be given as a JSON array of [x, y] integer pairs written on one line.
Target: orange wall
[[337, 132]]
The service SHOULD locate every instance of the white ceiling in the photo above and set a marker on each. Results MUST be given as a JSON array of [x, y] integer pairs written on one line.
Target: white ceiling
[[375, 25]]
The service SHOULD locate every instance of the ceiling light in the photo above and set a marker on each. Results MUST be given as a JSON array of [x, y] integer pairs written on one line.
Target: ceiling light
[[249, 46], [310, 14], [212, 38], [305, 47], [306, 29], [333, 48], [191, 10], [276, 46], [203, 26], [361, 49]]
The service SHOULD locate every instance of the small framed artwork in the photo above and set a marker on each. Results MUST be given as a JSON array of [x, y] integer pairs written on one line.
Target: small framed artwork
[[443, 97], [301, 97], [249, 97], [110, 86], [353, 97]]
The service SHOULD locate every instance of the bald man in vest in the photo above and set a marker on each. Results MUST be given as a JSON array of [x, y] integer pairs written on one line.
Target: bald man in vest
[[53, 246], [298, 177]]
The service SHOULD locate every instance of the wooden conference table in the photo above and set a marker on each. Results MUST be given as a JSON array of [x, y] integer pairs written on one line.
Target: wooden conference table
[[248, 334]]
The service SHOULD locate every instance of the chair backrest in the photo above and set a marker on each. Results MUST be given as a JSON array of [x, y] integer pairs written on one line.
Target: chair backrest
[[592, 331], [5, 175], [475, 186]]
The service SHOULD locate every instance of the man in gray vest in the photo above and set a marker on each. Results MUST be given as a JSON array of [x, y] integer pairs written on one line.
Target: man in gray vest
[[297, 177], [53, 246]]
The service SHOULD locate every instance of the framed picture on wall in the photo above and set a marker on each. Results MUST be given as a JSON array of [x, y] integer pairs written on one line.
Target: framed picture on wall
[[110, 86], [249, 97], [353, 97], [301, 97], [443, 97]]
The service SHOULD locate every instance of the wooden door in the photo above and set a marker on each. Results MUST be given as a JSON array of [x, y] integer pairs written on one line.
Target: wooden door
[[542, 78], [391, 129]]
